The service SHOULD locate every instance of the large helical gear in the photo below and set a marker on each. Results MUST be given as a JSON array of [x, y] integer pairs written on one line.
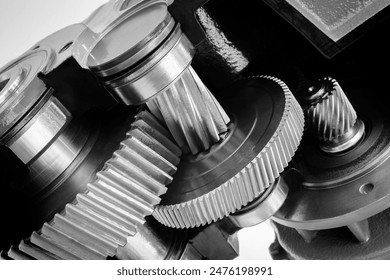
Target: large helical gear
[[116, 202], [249, 182]]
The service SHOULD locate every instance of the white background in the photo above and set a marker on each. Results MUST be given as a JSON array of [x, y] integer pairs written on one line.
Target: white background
[[23, 23]]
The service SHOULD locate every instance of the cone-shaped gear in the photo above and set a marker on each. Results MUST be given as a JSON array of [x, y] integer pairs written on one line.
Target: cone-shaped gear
[[332, 117]]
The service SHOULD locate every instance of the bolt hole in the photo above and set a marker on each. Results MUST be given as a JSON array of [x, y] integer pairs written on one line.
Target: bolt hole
[[64, 48], [366, 188]]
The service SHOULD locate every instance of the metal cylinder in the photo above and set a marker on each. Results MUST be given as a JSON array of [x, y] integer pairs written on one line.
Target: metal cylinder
[[153, 66]]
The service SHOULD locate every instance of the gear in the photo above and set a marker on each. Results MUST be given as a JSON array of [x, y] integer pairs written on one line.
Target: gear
[[332, 116], [124, 192], [153, 67], [215, 192]]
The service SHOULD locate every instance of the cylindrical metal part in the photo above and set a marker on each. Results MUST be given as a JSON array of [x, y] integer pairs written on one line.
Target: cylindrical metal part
[[332, 117], [153, 67]]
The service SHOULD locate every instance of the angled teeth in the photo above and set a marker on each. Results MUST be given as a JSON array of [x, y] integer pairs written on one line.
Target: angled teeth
[[191, 113], [116, 202], [331, 113], [250, 182]]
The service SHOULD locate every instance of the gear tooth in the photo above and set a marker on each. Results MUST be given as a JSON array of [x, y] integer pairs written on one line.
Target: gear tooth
[[125, 191], [128, 170], [96, 189], [97, 223], [35, 251], [46, 244], [15, 254], [158, 147], [238, 184], [141, 200], [84, 236], [70, 244], [333, 113], [153, 133], [105, 209], [253, 180]]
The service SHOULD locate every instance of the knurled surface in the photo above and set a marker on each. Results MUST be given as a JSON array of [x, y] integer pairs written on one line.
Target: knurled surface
[[247, 184]]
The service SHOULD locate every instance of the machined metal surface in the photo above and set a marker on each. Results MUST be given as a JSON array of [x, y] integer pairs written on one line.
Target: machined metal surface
[[338, 243], [153, 67], [235, 171], [99, 221], [332, 117], [23, 88], [330, 191], [263, 207]]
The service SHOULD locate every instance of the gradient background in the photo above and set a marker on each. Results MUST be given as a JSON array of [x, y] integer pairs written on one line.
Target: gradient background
[[23, 23]]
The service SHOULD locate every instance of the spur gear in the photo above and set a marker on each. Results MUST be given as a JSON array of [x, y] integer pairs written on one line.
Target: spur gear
[[266, 131]]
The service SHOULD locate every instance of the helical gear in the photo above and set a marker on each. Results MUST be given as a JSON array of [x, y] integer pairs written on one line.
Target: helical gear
[[330, 114], [115, 203], [250, 182]]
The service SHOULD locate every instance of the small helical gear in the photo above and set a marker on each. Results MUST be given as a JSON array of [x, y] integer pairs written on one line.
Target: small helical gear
[[330, 113], [332, 117], [248, 183], [115, 203]]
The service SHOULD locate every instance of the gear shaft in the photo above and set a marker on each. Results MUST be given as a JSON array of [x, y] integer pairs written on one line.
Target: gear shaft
[[332, 117], [156, 69]]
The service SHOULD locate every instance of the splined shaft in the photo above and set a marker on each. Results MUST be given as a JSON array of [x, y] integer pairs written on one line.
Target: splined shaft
[[332, 117], [191, 113]]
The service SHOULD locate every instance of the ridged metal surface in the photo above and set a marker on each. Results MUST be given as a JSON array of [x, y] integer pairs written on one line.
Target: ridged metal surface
[[331, 114], [191, 113], [116, 202], [250, 182]]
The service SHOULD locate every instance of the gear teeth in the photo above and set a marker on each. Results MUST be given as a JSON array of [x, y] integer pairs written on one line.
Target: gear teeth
[[116, 202], [250, 182], [36, 252], [191, 113], [333, 115]]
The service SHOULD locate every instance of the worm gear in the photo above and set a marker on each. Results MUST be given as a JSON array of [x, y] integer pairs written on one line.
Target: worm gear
[[203, 191]]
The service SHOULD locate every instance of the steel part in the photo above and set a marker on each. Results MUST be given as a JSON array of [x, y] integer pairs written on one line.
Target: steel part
[[193, 116], [23, 89], [332, 117], [153, 241], [36, 123], [266, 131], [225, 243], [109, 13], [43, 127], [337, 243], [263, 207], [328, 191], [153, 67], [116, 203]]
